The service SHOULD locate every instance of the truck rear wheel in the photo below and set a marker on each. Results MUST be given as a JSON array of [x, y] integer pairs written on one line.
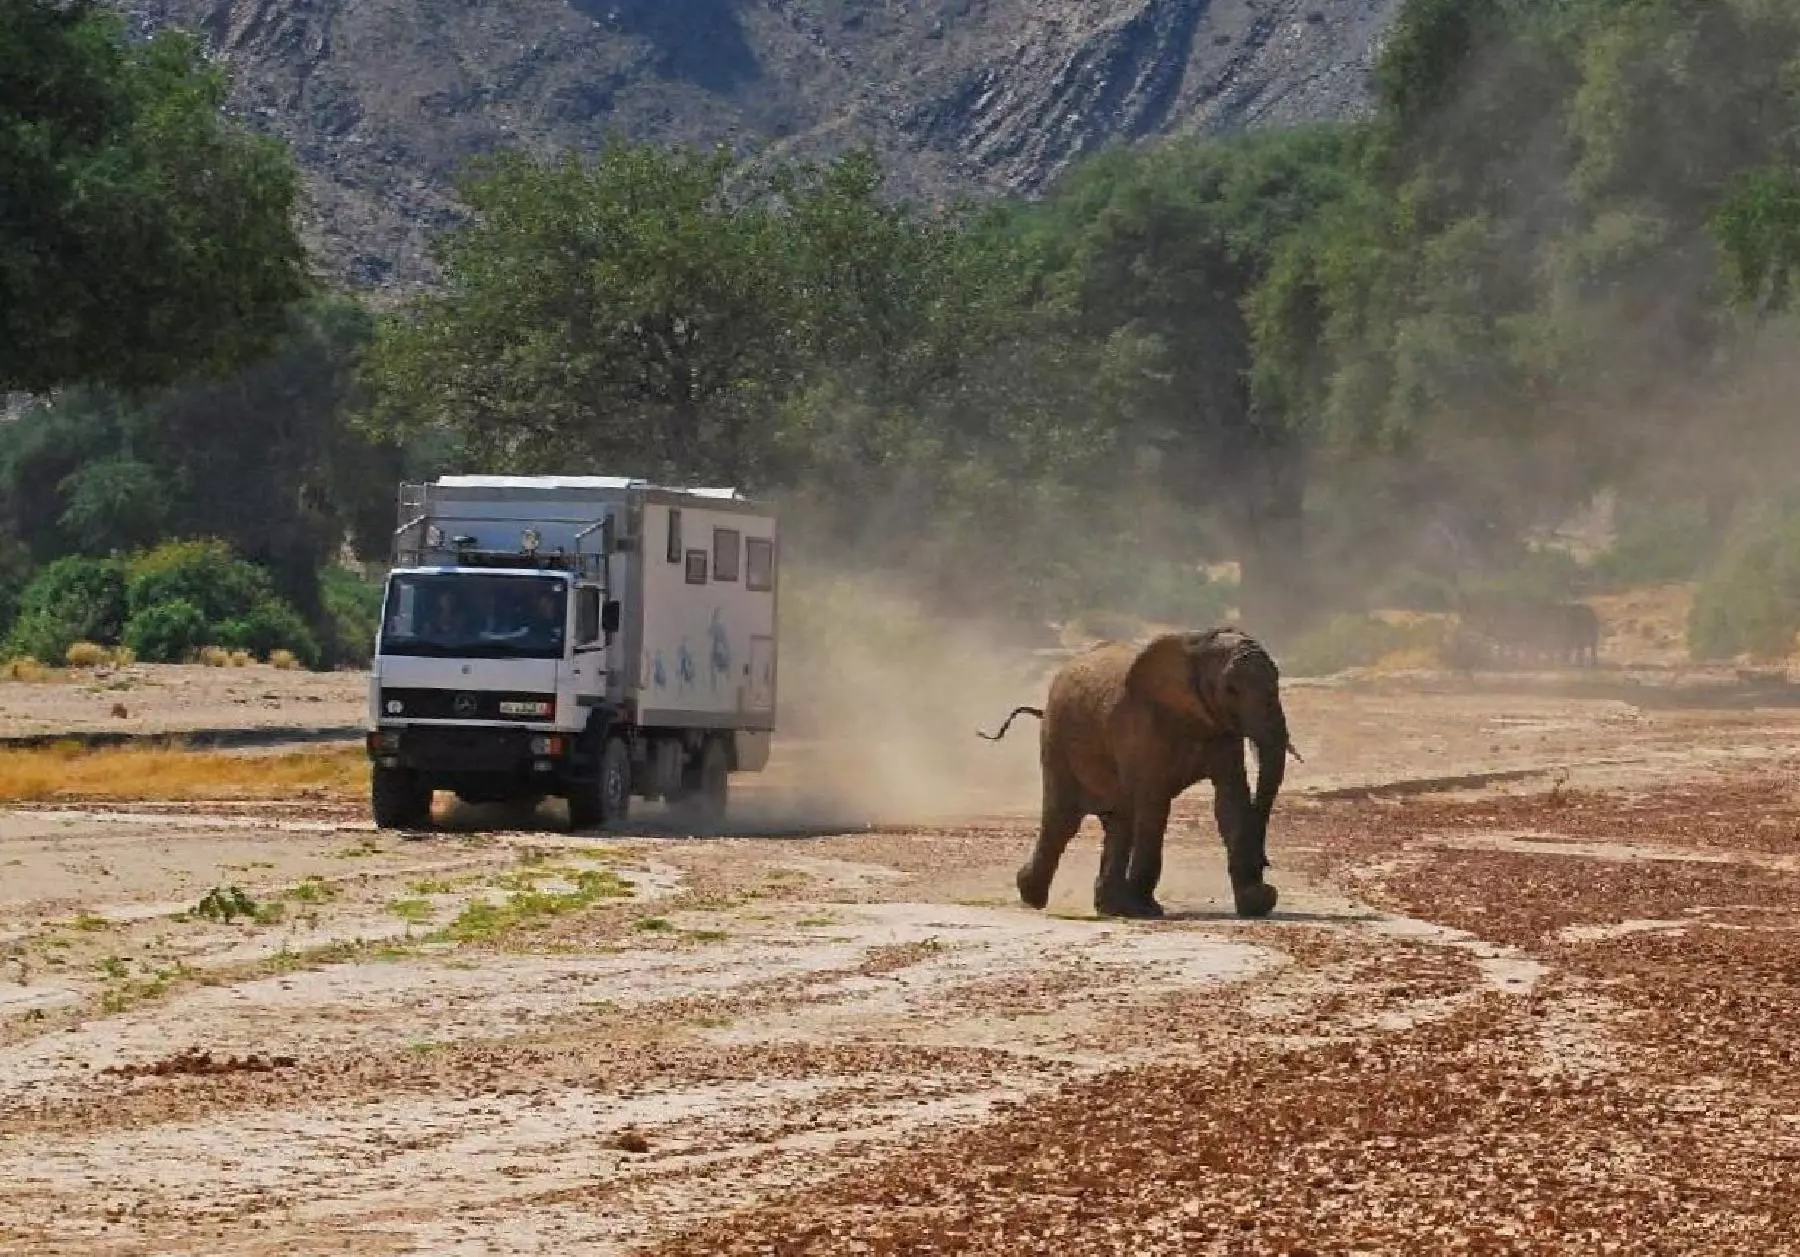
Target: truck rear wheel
[[399, 799], [606, 799], [705, 792]]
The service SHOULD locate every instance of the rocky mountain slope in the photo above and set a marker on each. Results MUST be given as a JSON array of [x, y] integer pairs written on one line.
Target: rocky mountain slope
[[383, 98]]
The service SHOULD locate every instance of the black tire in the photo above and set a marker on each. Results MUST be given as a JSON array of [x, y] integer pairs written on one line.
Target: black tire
[[606, 798], [398, 799]]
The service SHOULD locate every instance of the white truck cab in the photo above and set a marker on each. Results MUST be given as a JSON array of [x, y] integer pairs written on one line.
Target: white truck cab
[[592, 637]]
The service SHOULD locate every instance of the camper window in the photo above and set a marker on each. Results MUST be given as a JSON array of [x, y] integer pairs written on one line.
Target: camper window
[[674, 534], [725, 554], [759, 563], [696, 567]]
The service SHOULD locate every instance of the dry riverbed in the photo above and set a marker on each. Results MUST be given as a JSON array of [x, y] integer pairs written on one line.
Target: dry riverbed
[[1530, 988]]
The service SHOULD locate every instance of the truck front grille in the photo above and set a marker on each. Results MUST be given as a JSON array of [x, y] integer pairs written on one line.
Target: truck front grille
[[431, 704], [450, 749]]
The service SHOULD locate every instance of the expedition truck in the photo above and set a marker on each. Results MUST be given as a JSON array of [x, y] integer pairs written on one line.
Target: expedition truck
[[591, 637]]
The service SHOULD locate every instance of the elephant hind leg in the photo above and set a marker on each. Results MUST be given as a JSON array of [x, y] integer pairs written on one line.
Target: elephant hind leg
[[1131, 860], [1061, 819]]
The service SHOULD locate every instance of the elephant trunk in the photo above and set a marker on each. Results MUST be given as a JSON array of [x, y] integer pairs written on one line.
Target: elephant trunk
[[1251, 856]]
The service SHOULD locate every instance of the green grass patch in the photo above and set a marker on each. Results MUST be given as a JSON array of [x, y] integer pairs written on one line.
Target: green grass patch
[[484, 920], [367, 847], [131, 993], [312, 890], [412, 911], [652, 925]]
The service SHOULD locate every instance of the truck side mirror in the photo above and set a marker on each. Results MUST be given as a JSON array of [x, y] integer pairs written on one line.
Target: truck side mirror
[[587, 616], [609, 617]]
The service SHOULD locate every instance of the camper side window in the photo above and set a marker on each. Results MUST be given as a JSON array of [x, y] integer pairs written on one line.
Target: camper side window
[[674, 534], [725, 554], [759, 563], [587, 616]]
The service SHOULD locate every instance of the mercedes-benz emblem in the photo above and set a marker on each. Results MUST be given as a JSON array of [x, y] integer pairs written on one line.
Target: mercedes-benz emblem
[[465, 704]]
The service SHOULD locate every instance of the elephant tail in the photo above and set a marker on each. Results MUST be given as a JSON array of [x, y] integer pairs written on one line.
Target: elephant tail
[[1016, 713]]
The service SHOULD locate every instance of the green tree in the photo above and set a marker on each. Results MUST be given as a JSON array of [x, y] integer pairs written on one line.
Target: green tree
[[624, 312], [1167, 246], [266, 460], [143, 238]]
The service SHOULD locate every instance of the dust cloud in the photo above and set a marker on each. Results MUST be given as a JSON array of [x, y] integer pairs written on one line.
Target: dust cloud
[[877, 706]]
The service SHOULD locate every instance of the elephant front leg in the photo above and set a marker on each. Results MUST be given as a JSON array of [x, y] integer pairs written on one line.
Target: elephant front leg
[[1236, 817]]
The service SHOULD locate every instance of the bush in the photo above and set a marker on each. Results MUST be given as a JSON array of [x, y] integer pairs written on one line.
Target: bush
[[352, 613], [15, 575], [1360, 641], [1656, 542], [204, 574], [1540, 576], [72, 600], [1749, 600], [283, 659], [269, 626], [168, 632]]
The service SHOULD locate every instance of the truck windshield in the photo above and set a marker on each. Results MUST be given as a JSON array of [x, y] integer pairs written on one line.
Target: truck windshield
[[475, 616]]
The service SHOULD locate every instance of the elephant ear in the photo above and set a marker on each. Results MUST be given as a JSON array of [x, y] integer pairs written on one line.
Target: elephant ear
[[1166, 673]]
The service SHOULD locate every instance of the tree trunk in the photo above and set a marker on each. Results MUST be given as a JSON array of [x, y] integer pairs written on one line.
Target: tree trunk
[[1275, 589]]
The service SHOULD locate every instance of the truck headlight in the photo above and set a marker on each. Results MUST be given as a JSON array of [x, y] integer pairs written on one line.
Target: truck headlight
[[394, 707], [532, 707], [546, 745], [384, 740]]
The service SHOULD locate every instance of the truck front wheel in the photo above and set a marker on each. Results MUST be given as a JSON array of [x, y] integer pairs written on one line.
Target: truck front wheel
[[399, 799], [606, 798]]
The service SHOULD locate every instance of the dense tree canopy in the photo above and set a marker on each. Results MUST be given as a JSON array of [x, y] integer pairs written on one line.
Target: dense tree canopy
[[143, 237]]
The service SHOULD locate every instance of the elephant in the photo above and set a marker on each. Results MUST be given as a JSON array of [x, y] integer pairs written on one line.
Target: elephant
[[1578, 635], [1126, 728], [1527, 631]]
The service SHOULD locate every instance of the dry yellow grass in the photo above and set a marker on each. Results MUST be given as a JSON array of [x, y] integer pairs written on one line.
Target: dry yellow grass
[[71, 771], [92, 655], [24, 668], [213, 656], [286, 660], [86, 655]]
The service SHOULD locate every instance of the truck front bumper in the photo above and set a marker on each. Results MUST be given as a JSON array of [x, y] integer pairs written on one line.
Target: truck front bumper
[[451, 751]]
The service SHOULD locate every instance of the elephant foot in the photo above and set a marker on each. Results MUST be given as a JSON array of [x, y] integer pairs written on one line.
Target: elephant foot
[[1126, 903], [1034, 890], [1255, 899]]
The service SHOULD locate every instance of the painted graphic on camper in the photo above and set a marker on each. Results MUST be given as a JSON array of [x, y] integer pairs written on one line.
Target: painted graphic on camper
[[684, 667], [659, 672], [721, 650]]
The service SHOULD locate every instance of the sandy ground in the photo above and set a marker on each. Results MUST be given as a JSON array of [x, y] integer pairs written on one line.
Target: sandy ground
[[183, 699], [1531, 988]]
